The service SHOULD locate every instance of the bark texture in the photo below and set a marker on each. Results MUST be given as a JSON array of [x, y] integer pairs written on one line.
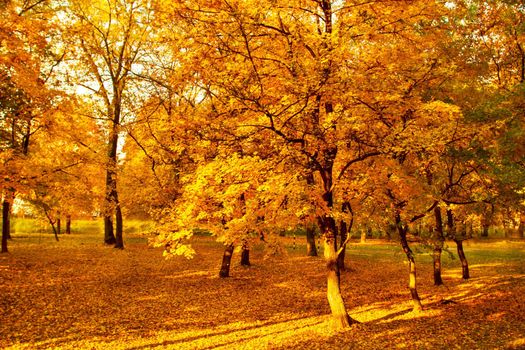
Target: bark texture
[[109, 236], [458, 239], [119, 242], [68, 224], [245, 255], [5, 225], [311, 249], [340, 316], [463, 259], [412, 277], [438, 242], [226, 261]]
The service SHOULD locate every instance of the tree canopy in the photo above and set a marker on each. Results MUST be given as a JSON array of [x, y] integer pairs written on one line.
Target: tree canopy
[[248, 118]]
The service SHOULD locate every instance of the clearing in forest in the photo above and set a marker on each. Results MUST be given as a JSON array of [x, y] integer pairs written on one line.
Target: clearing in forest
[[78, 294]]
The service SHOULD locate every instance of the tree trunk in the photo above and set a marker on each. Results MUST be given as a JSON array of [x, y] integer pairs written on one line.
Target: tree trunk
[[68, 224], [311, 249], [327, 224], [340, 316], [412, 285], [226, 261], [51, 221], [109, 237], [5, 225], [486, 222], [8, 218], [119, 242], [111, 204], [485, 232], [59, 223], [328, 228], [521, 227], [369, 232], [463, 259], [343, 233], [459, 243], [245, 256], [438, 241], [363, 236]]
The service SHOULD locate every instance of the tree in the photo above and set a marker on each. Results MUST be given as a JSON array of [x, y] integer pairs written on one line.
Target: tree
[[326, 85], [28, 103], [69, 182], [111, 39], [493, 63]]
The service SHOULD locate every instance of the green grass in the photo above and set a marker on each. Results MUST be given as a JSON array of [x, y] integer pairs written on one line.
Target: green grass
[[28, 225], [83, 231]]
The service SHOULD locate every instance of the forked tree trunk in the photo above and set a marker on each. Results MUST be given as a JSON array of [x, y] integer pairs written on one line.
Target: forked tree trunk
[[5, 225], [340, 316], [459, 243], [311, 249], [59, 225], [327, 224], [226, 261], [245, 255], [412, 285], [68, 224], [438, 241]]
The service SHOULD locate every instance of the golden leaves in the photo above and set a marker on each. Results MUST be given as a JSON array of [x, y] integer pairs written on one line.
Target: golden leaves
[[180, 304]]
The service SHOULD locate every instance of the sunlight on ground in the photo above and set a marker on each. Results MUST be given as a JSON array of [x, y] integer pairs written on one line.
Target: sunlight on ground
[[254, 335], [517, 344], [148, 303], [482, 266], [384, 312], [189, 274]]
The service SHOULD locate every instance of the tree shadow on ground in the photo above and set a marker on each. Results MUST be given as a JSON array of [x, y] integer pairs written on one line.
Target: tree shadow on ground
[[98, 298], [227, 337]]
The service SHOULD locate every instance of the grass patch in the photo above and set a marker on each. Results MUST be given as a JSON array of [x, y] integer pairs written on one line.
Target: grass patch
[[30, 225]]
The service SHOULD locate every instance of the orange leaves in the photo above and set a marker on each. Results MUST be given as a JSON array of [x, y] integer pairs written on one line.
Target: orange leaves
[[233, 198], [146, 301], [320, 89]]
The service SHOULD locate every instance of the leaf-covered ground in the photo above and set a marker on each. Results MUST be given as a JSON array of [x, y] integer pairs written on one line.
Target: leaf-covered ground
[[78, 294]]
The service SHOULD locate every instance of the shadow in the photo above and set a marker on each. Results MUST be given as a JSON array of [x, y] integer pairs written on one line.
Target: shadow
[[237, 334], [391, 316], [176, 303]]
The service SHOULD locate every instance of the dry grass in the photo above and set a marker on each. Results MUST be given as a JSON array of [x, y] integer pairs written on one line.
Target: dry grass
[[78, 294]]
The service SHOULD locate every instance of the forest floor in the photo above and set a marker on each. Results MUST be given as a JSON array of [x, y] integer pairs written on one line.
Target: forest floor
[[79, 294]]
